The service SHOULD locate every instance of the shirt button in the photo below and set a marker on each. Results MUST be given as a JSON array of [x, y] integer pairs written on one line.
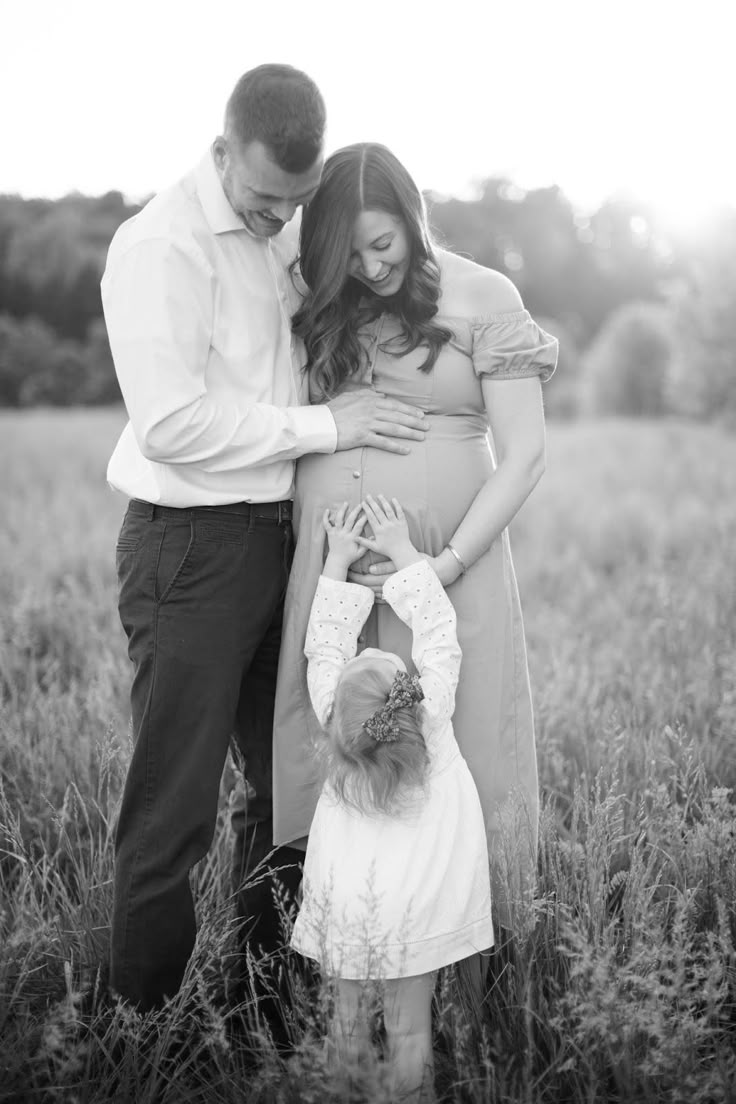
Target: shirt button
[[361, 639], [356, 475]]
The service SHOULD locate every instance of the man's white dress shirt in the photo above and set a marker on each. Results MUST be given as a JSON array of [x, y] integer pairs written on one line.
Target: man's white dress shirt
[[198, 314]]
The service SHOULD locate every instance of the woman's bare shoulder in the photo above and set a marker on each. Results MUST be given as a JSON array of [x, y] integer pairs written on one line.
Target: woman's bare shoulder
[[471, 291]]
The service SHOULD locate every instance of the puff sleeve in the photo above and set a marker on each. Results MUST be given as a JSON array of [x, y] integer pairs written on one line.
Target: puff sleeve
[[512, 346]]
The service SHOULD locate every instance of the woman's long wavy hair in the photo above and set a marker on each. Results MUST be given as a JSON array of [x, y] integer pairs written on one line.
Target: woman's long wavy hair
[[367, 774], [357, 178]]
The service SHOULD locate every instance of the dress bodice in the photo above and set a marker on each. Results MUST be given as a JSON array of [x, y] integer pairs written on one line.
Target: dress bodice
[[500, 346]]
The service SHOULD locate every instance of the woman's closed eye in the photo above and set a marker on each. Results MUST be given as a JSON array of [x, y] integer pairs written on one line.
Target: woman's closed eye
[[375, 249]]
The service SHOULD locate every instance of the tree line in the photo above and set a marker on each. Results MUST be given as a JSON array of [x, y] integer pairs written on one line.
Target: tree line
[[646, 321]]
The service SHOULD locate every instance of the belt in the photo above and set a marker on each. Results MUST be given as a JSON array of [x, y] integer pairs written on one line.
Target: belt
[[268, 511]]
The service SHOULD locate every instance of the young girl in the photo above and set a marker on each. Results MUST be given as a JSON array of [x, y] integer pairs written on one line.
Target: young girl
[[396, 878]]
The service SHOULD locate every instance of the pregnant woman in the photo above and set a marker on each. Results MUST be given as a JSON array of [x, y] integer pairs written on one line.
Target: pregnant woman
[[384, 308]]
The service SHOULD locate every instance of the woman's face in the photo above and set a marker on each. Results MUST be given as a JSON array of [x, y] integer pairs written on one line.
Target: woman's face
[[380, 252]]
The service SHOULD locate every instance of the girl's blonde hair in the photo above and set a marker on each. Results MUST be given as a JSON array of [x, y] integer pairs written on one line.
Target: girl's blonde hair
[[372, 776]]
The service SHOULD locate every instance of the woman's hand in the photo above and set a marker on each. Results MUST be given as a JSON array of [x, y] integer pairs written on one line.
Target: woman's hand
[[445, 567], [343, 531], [390, 531], [379, 573]]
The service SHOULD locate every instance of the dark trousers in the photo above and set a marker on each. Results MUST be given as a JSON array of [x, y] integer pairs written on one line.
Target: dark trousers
[[201, 601]]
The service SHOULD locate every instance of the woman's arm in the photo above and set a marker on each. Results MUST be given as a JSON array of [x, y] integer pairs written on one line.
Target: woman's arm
[[516, 418]]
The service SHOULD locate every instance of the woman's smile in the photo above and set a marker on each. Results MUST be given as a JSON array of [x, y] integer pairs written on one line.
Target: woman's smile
[[378, 279]]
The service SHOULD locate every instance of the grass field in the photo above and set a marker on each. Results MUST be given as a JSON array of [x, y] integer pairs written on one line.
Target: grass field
[[622, 982]]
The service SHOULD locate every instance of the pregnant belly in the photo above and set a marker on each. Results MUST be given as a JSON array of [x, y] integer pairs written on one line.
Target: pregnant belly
[[435, 483]]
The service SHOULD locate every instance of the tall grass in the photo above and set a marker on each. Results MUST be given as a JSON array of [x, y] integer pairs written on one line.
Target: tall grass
[[620, 983]]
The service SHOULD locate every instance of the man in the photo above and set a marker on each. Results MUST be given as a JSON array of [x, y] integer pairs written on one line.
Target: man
[[197, 301]]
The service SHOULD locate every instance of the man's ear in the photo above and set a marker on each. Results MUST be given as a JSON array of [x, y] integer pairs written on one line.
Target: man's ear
[[220, 151]]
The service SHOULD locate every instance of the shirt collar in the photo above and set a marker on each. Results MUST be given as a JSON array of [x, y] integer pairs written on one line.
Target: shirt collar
[[215, 204]]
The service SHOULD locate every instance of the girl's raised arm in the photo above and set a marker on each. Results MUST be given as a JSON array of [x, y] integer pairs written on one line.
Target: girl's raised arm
[[418, 598], [339, 611]]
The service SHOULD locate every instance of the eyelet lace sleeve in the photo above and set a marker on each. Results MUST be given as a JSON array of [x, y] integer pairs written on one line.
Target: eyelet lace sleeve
[[417, 596], [512, 346], [338, 613]]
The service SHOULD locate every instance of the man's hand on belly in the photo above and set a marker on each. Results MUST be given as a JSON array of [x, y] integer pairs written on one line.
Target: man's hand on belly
[[367, 419]]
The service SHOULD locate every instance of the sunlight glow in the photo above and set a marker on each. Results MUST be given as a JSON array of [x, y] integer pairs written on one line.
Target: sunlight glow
[[597, 98]]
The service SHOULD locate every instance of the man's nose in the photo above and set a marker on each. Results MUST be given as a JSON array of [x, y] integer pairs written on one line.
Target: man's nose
[[284, 210]]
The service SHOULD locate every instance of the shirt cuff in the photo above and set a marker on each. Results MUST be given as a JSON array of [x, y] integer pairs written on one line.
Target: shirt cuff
[[363, 595], [315, 428], [420, 570], [420, 573]]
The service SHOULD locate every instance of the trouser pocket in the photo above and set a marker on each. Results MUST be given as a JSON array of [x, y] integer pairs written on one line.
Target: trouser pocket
[[174, 555]]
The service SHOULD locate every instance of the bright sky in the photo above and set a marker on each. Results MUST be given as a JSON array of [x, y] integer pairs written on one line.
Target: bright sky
[[598, 97]]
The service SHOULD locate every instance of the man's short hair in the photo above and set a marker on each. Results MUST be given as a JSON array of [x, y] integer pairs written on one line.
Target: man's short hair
[[281, 107]]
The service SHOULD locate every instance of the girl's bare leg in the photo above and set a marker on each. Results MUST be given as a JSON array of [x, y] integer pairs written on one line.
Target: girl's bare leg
[[351, 1032], [407, 1014]]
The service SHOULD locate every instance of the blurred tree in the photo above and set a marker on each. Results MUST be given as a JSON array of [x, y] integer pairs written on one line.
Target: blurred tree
[[36, 366], [59, 268], [52, 254], [27, 347], [574, 270], [566, 265], [703, 374], [626, 367], [61, 381], [464, 227], [632, 259], [16, 218], [101, 383]]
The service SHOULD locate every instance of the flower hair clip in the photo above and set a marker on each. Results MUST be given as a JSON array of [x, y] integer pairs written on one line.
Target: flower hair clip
[[405, 690]]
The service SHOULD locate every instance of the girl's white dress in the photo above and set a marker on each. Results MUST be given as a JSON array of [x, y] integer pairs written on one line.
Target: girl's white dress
[[393, 896]]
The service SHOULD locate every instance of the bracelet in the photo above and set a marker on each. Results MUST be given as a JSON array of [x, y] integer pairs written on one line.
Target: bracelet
[[458, 557]]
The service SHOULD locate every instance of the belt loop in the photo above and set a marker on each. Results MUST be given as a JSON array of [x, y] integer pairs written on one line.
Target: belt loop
[[143, 508]]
